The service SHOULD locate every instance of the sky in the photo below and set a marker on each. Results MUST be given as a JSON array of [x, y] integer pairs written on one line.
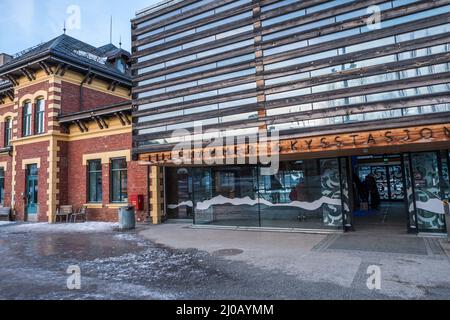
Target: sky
[[26, 23]]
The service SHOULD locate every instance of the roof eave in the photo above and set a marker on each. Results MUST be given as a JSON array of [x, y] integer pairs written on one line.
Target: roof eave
[[126, 80], [51, 54], [89, 114]]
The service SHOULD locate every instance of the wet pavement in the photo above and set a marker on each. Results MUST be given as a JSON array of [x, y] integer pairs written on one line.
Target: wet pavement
[[33, 265]]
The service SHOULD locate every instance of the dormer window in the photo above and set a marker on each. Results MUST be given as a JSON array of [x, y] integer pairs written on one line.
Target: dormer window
[[121, 65]]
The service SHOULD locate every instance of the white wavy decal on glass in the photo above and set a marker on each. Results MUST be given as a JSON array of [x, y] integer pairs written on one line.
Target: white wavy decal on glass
[[182, 204], [310, 206], [432, 205]]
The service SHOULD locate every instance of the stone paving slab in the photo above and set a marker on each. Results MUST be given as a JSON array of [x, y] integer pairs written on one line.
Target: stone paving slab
[[386, 244], [412, 267]]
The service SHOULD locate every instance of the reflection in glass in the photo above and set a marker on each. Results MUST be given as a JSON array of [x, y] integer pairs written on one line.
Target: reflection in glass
[[428, 193]]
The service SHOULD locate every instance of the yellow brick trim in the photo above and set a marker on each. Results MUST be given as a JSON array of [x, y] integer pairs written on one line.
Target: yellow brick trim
[[107, 156], [8, 104], [54, 106], [26, 162], [41, 76], [94, 205], [52, 178], [55, 80], [97, 85], [116, 205], [4, 165], [155, 189], [13, 180], [99, 134], [54, 89], [31, 139], [11, 115], [54, 97], [32, 97]]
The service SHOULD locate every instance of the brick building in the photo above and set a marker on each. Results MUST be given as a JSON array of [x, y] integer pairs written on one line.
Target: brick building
[[65, 123]]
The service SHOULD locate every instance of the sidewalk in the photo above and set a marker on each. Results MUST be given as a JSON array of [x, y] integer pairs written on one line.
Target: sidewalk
[[410, 265]]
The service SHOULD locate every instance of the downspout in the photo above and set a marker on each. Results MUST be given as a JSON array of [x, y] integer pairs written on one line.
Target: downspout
[[148, 193], [80, 107]]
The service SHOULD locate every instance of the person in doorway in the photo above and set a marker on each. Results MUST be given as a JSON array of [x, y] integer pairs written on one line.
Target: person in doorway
[[372, 189], [293, 196]]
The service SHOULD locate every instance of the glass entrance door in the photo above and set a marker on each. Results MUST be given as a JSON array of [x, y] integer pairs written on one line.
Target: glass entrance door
[[389, 180], [426, 169], [32, 189]]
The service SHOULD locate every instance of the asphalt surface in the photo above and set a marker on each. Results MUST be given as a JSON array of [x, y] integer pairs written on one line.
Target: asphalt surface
[[115, 265]]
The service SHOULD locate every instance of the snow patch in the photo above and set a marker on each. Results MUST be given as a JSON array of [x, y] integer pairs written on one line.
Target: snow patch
[[87, 227], [4, 223], [126, 237]]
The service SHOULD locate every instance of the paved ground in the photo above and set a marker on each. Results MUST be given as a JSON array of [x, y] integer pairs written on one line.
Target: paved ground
[[176, 262]]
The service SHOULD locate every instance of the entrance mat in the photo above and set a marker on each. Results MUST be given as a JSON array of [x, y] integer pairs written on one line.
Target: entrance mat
[[382, 243]]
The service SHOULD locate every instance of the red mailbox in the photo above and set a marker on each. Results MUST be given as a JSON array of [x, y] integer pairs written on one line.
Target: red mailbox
[[137, 201]]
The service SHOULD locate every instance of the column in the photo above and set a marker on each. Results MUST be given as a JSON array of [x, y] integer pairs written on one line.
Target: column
[[156, 194]]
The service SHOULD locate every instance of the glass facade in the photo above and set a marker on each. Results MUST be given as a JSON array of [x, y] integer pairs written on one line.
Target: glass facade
[[314, 194], [429, 191], [297, 69], [194, 64], [303, 194]]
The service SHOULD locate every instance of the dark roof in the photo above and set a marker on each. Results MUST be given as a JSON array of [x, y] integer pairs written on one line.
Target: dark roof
[[78, 52], [5, 85], [101, 111]]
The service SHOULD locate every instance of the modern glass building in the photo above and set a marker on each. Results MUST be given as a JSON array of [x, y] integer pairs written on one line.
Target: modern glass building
[[357, 91]]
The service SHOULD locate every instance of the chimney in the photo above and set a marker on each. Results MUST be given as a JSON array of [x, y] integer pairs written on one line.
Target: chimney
[[4, 58]]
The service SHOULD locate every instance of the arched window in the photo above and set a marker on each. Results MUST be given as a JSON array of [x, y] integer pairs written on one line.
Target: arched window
[[8, 131], [27, 118], [39, 120]]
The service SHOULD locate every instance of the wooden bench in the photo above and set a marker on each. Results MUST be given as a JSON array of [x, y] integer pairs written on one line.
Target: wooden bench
[[5, 214], [64, 212], [82, 213]]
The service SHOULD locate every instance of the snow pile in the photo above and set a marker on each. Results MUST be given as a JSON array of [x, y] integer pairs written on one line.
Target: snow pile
[[4, 223], [88, 227]]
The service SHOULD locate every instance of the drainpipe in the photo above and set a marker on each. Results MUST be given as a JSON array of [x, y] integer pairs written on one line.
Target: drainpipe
[[80, 107], [148, 194]]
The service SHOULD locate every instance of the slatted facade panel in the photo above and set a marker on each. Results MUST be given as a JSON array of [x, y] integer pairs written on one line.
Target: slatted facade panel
[[289, 65]]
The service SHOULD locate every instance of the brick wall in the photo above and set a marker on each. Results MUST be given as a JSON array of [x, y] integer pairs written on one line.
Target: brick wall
[[32, 89], [63, 175], [4, 111], [8, 179], [70, 98], [77, 174], [71, 186], [35, 150]]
